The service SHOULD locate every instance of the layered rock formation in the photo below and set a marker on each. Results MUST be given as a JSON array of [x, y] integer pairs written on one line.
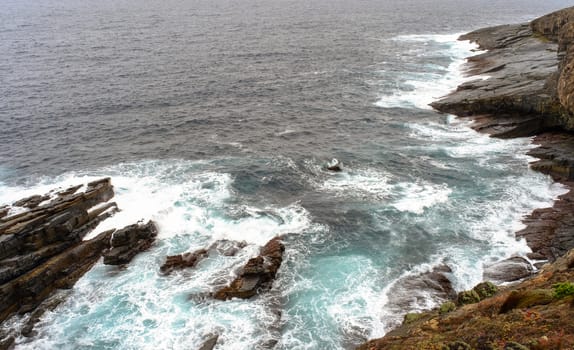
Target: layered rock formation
[[41, 249], [525, 85], [257, 275], [128, 242], [525, 88]]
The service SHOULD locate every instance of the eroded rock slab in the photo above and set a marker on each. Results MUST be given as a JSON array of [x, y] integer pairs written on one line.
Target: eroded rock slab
[[129, 241], [182, 261], [257, 275], [191, 259], [41, 248]]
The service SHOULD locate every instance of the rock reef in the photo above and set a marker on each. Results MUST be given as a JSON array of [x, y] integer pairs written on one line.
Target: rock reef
[[42, 246], [257, 275], [41, 249]]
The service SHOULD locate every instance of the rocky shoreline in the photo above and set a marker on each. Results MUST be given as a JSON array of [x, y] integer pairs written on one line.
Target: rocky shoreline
[[529, 92], [524, 86], [43, 253]]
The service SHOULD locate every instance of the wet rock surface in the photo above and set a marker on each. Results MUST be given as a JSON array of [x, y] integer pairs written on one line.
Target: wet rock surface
[[41, 248], [257, 275], [129, 241], [508, 270], [529, 91], [525, 84], [413, 290], [191, 259], [181, 261]]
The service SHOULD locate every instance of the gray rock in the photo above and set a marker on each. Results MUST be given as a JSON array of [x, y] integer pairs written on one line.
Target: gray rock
[[508, 270]]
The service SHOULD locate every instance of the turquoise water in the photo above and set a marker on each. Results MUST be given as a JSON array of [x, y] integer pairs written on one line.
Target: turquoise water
[[217, 119]]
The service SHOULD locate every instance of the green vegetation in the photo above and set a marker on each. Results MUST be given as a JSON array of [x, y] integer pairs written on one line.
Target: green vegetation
[[563, 289], [447, 307], [485, 290]]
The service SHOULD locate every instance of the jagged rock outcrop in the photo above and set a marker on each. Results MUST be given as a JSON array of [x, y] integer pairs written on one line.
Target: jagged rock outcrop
[[181, 261], [129, 241], [190, 259], [41, 249], [210, 342], [528, 89], [257, 275]]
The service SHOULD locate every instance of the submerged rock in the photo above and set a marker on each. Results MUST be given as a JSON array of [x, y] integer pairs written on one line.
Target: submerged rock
[[181, 261], [257, 275], [210, 342], [335, 165], [129, 241]]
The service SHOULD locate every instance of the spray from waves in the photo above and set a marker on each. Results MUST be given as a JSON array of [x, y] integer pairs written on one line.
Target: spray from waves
[[137, 307], [371, 184], [426, 77], [358, 182], [416, 197]]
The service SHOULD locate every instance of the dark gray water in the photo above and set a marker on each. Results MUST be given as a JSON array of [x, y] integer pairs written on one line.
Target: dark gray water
[[92, 83], [216, 119]]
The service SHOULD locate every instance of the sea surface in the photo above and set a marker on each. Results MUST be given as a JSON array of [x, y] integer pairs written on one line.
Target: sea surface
[[217, 118]]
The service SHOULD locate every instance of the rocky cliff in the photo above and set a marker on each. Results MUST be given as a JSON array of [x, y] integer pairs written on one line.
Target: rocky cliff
[[524, 83], [523, 86]]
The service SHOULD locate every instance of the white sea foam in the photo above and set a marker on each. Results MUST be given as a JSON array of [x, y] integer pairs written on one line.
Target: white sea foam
[[138, 307], [415, 197], [419, 87], [358, 183]]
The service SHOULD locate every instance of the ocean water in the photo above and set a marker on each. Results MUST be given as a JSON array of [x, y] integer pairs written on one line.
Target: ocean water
[[217, 118]]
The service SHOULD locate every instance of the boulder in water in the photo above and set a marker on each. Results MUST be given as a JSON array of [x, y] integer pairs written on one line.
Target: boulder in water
[[335, 165], [257, 275], [129, 241]]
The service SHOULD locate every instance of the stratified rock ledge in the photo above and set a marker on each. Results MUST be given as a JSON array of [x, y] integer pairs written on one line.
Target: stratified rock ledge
[[525, 88], [257, 275], [42, 248]]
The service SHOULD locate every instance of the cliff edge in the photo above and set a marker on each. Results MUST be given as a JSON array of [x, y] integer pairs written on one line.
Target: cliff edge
[[523, 86]]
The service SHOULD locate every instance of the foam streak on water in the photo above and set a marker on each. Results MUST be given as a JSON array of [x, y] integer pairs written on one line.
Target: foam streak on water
[[216, 119]]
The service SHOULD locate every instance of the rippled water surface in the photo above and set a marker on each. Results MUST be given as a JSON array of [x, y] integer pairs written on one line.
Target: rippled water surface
[[217, 118]]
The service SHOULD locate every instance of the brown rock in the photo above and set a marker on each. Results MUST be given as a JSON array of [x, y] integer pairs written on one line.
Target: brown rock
[[257, 275], [61, 271], [181, 261], [210, 343], [41, 249], [31, 202], [129, 241]]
